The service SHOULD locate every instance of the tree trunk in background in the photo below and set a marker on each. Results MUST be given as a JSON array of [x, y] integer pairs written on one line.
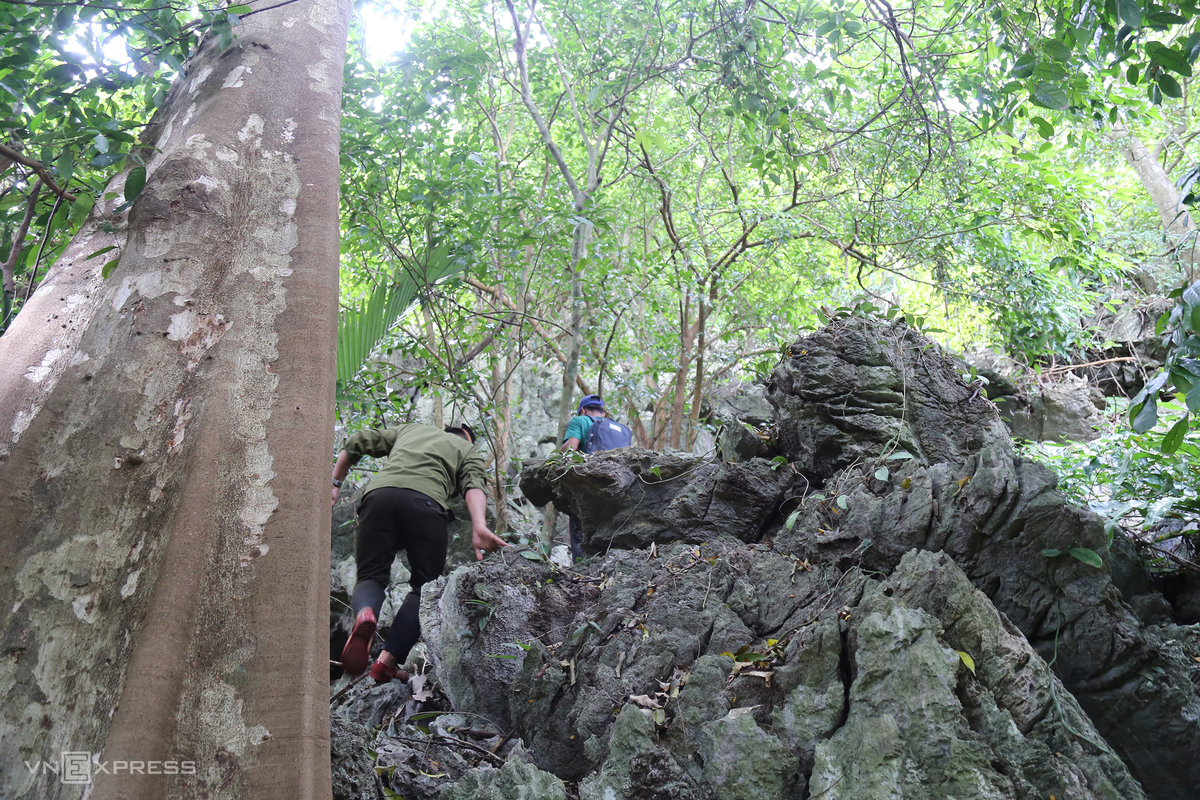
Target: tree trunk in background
[[679, 391], [1163, 193], [164, 519]]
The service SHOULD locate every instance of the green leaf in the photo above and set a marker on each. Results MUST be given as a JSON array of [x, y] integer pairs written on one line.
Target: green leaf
[[1190, 295], [1050, 95], [881, 474], [791, 520], [843, 502], [106, 160], [100, 252], [101, 143], [1163, 18], [1089, 557], [65, 164], [108, 268], [80, 209], [1057, 50], [1131, 12], [1174, 437], [531, 555], [134, 182], [1052, 552], [1023, 68], [1045, 129], [1145, 417], [966, 659], [1169, 86], [1192, 398]]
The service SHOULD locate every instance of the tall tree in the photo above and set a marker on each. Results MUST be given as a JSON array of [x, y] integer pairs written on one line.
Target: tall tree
[[168, 430]]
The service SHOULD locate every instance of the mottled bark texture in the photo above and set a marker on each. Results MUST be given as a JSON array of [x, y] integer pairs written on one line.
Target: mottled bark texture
[[165, 459]]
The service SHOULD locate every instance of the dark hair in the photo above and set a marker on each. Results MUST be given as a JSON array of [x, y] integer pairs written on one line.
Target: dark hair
[[464, 430]]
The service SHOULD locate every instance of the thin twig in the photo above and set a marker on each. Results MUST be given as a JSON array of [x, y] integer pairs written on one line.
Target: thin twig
[[18, 242], [347, 687], [42, 248], [1183, 562], [495, 759], [1102, 362]]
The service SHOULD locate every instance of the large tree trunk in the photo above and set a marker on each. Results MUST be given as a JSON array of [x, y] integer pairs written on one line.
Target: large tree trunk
[[163, 595]]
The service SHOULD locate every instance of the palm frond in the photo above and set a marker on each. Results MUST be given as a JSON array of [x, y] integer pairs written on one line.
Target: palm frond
[[361, 329]]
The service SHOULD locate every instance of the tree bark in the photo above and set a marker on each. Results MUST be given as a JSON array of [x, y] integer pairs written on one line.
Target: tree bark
[[1176, 218], [165, 521]]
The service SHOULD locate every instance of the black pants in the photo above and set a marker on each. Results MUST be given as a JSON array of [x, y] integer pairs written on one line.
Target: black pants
[[391, 520], [576, 530]]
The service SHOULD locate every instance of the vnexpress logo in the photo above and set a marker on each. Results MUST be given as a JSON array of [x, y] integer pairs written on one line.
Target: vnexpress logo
[[71, 767], [80, 767]]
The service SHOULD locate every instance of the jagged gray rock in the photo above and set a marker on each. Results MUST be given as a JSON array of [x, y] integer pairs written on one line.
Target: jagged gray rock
[[755, 629], [1067, 410], [860, 389], [352, 772], [994, 515], [633, 498], [516, 780], [725, 671], [738, 441]]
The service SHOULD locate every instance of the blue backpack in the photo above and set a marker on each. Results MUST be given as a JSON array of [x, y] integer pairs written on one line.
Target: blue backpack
[[606, 434]]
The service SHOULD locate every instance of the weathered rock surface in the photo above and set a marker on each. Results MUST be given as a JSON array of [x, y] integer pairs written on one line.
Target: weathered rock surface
[[730, 671], [633, 498], [875, 618], [860, 389], [1067, 410]]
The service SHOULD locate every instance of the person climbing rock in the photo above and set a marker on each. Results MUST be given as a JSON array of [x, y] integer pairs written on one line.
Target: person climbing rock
[[404, 507], [590, 432]]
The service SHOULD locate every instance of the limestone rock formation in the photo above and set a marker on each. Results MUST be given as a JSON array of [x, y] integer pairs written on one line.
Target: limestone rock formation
[[1067, 410], [900, 607]]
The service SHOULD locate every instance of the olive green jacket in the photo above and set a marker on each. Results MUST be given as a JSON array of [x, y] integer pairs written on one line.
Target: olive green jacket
[[420, 457]]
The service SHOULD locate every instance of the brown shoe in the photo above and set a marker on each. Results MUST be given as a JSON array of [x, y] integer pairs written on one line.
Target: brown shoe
[[382, 673], [357, 652]]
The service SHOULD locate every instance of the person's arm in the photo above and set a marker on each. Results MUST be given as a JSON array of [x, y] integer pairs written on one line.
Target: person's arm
[[340, 469], [573, 435], [482, 538], [370, 442]]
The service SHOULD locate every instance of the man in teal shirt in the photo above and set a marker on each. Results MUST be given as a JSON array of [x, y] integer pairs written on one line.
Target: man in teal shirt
[[404, 507], [580, 426], [590, 407]]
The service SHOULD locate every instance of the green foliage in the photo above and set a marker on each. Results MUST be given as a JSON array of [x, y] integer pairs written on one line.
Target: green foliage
[[1181, 326], [362, 328], [1084, 554], [1092, 58], [1128, 480], [77, 82]]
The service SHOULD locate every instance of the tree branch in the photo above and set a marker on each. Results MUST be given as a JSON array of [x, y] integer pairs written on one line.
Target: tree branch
[[38, 168], [18, 241]]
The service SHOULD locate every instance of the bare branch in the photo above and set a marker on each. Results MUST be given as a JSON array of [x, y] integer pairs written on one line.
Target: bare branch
[[38, 168]]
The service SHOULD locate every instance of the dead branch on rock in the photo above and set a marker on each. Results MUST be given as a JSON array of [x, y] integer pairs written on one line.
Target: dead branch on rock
[[439, 738]]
